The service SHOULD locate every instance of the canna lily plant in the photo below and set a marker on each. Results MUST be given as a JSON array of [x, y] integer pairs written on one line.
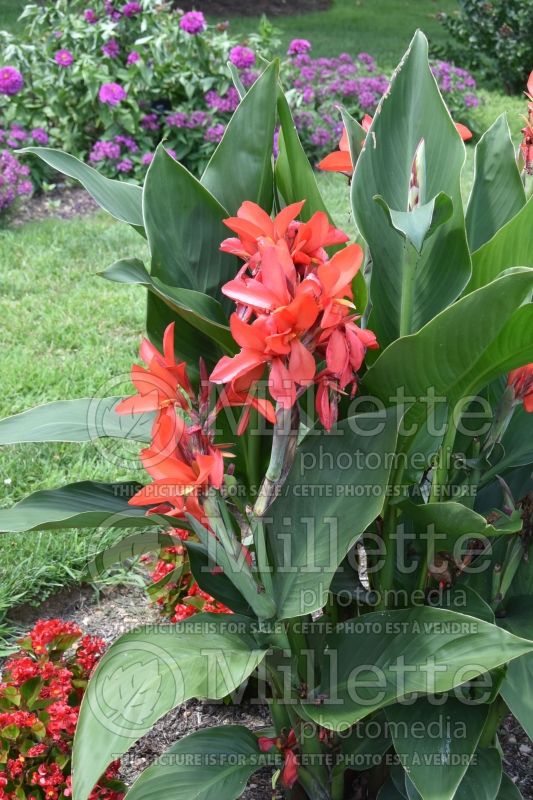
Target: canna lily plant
[[337, 426]]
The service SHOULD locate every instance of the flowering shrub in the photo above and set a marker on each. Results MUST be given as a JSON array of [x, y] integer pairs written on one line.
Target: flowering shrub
[[90, 74], [40, 695], [495, 38], [337, 435], [14, 182], [142, 73]]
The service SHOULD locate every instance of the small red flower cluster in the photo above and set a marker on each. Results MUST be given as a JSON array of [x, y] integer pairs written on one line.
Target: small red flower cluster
[[294, 309], [527, 142], [521, 380], [182, 459], [287, 746], [40, 695], [179, 596]]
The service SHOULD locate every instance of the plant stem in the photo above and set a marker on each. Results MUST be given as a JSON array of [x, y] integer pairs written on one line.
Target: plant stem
[[408, 290], [284, 440]]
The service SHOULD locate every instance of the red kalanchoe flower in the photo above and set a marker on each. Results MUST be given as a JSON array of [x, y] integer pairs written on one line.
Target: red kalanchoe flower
[[521, 380], [47, 631]]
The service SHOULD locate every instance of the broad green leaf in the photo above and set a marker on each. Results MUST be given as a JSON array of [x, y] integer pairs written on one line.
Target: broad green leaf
[[463, 348], [389, 792], [422, 650], [120, 199], [81, 420], [200, 311], [410, 111], [516, 447], [79, 505], [184, 228], [129, 548], [465, 600], [211, 764], [235, 568], [450, 522], [516, 687], [294, 174], [241, 166], [498, 192], [512, 246], [483, 777], [217, 584], [319, 515], [436, 742], [419, 224], [356, 134], [149, 671], [508, 790], [516, 691]]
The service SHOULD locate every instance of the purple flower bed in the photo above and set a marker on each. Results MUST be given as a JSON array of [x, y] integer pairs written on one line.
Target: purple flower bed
[[128, 96]]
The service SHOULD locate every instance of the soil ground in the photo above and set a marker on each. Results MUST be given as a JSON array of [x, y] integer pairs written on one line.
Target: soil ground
[[272, 8], [119, 609]]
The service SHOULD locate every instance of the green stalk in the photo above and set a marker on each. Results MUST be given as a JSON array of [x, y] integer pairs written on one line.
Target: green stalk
[[385, 581], [408, 290], [284, 438]]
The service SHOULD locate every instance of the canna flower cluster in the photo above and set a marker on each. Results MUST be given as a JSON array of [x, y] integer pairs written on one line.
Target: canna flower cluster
[[526, 145], [295, 314], [521, 380], [183, 459], [40, 695]]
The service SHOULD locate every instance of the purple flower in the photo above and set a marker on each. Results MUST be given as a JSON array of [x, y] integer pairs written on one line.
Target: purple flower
[[40, 136], [11, 80], [13, 180], [178, 120], [249, 77], [321, 137], [308, 95], [471, 101], [90, 16], [147, 159], [242, 57], [299, 47], [150, 122], [132, 58], [64, 58], [111, 94], [131, 9], [111, 48], [367, 60], [127, 142], [198, 118], [226, 103], [126, 165], [104, 149], [17, 134], [171, 153], [215, 133], [193, 22]]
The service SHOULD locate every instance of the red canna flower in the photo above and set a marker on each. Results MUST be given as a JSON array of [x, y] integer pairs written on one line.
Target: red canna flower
[[286, 745], [341, 161], [294, 305], [305, 240], [526, 145], [521, 380], [162, 384]]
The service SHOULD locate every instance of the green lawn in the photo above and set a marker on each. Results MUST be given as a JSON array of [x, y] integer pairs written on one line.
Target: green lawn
[[67, 333]]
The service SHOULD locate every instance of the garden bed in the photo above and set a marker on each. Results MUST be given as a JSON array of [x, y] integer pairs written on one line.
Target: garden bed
[[121, 608], [272, 8]]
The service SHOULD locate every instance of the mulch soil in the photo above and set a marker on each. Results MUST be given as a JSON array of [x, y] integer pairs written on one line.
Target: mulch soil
[[272, 8], [118, 609], [63, 202]]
